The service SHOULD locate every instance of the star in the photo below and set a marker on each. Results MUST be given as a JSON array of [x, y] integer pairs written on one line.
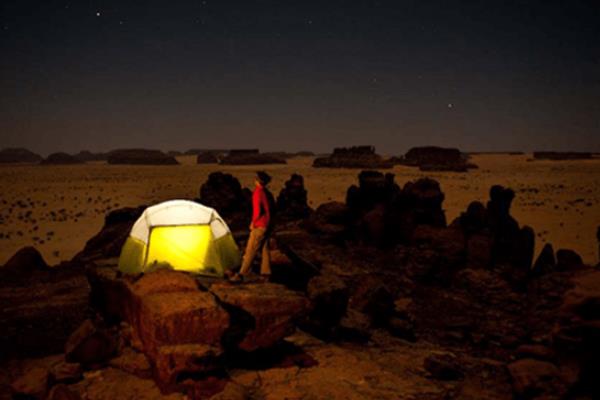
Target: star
[[97, 13], [450, 105]]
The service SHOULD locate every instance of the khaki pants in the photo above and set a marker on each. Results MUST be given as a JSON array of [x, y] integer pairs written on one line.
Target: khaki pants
[[258, 240]]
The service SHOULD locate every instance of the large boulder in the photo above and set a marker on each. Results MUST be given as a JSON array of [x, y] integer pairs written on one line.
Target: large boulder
[[266, 313], [545, 262], [224, 193], [329, 296], [292, 202], [90, 345], [61, 159], [353, 157], [110, 240], [18, 155], [532, 378], [140, 157]]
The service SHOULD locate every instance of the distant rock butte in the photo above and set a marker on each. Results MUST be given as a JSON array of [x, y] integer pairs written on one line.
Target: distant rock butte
[[18, 155], [562, 155], [140, 157], [353, 157], [432, 158], [61, 159]]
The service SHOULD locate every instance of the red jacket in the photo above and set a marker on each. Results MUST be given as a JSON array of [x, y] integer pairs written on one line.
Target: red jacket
[[261, 215]]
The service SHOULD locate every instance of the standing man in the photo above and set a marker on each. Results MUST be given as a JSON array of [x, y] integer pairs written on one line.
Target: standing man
[[259, 229]]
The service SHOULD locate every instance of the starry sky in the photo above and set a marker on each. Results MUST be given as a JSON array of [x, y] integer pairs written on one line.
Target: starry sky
[[300, 75]]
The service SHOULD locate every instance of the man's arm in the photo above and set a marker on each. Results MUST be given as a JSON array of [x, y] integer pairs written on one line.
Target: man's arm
[[255, 208]]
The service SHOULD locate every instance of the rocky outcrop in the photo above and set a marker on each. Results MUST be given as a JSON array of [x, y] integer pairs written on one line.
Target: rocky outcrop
[[18, 155], [250, 157], [562, 155], [352, 157], [39, 305], [187, 329], [140, 157], [292, 202], [224, 193], [61, 159], [432, 158], [108, 242]]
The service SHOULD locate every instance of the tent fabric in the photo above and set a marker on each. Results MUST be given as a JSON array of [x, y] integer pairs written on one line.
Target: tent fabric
[[182, 235]]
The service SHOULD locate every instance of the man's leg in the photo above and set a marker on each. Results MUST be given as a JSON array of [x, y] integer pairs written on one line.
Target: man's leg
[[265, 262], [254, 243]]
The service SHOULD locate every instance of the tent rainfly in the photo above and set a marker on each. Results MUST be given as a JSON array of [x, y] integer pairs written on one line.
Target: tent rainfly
[[183, 235]]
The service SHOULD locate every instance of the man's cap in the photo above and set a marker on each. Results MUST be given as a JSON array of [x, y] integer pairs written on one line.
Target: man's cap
[[263, 177]]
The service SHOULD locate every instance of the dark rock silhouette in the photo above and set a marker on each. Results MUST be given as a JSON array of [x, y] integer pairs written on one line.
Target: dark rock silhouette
[[87, 156], [292, 202], [18, 155], [140, 157], [224, 193], [207, 158], [432, 158], [61, 159], [567, 259], [250, 157], [352, 157], [562, 155], [545, 262]]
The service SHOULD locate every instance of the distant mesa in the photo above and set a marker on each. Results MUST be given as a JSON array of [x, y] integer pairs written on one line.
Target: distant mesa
[[61, 159], [174, 153], [87, 156], [433, 158], [497, 153], [250, 157], [207, 158], [18, 155], [353, 157], [195, 152], [140, 157], [562, 155]]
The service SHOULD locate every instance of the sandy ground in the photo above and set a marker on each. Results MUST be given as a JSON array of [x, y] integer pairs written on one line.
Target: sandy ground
[[58, 208]]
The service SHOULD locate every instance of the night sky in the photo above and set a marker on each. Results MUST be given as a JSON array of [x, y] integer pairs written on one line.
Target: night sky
[[296, 75]]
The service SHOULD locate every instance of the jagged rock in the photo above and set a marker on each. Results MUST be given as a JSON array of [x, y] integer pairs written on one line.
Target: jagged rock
[[62, 392], [372, 297], [140, 157], [133, 362], [353, 157], [531, 378], [443, 366], [535, 351], [545, 262], [373, 188], [18, 155], [266, 313], [424, 198], [329, 299], [292, 201], [89, 345], [447, 241], [66, 372], [173, 363], [329, 219], [432, 158], [110, 240], [567, 259], [402, 328], [39, 306], [61, 159], [33, 384], [479, 250], [250, 157], [207, 158]]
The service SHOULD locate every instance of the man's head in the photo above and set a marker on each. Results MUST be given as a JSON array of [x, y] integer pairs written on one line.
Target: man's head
[[262, 178]]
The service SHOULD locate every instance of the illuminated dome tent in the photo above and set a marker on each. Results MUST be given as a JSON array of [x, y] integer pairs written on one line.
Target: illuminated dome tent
[[182, 234]]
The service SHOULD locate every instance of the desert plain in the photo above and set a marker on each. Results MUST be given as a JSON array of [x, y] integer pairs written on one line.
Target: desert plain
[[57, 208]]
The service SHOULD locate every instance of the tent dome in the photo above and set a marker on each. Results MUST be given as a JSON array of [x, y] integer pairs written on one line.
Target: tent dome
[[180, 234]]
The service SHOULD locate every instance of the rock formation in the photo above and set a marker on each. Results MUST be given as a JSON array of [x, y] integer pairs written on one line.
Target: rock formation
[[140, 157], [224, 193], [352, 157], [292, 202], [562, 155], [207, 158], [431, 158], [61, 159], [250, 157], [87, 156], [18, 155]]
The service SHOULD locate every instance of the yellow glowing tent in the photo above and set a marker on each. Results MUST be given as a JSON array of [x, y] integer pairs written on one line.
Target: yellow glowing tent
[[183, 235]]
